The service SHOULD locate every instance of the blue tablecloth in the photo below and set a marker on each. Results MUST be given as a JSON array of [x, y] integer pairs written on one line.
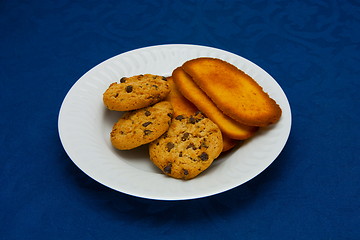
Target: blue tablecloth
[[311, 48]]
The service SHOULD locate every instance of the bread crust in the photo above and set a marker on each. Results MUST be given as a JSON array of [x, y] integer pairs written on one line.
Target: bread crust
[[229, 143], [233, 91], [180, 104]]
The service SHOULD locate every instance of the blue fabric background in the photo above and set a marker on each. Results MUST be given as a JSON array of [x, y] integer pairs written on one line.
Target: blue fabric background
[[311, 48]]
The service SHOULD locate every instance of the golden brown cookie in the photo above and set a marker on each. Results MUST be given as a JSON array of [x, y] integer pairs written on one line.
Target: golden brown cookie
[[188, 148], [233, 91], [136, 92], [141, 126], [193, 93]]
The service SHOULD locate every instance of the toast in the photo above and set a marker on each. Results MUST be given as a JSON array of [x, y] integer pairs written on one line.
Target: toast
[[194, 94], [233, 91]]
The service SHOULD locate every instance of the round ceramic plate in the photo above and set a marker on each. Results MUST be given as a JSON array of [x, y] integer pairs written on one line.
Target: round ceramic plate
[[85, 125]]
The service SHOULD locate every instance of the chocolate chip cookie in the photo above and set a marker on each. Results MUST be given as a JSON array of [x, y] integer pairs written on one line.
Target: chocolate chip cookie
[[188, 147], [139, 127], [136, 92]]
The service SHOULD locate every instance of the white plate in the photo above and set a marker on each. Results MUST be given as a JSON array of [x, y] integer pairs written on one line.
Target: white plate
[[84, 126]]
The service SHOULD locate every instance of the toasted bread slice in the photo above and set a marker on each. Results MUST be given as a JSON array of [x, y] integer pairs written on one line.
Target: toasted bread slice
[[229, 143], [180, 104], [233, 91], [194, 94]]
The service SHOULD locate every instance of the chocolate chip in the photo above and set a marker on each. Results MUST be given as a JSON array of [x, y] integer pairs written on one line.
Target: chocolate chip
[[116, 95], [169, 146], [204, 156], [185, 136], [147, 113], [146, 124], [170, 115], [186, 172], [147, 132], [192, 120], [155, 86], [180, 154], [203, 144], [191, 145], [179, 117], [123, 79], [164, 78], [129, 89], [167, 169]]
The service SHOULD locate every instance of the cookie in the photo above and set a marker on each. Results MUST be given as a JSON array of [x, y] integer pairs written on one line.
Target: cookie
[[188, 148], [136, 92], [194, 94], [139, 127], [234, 92]]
